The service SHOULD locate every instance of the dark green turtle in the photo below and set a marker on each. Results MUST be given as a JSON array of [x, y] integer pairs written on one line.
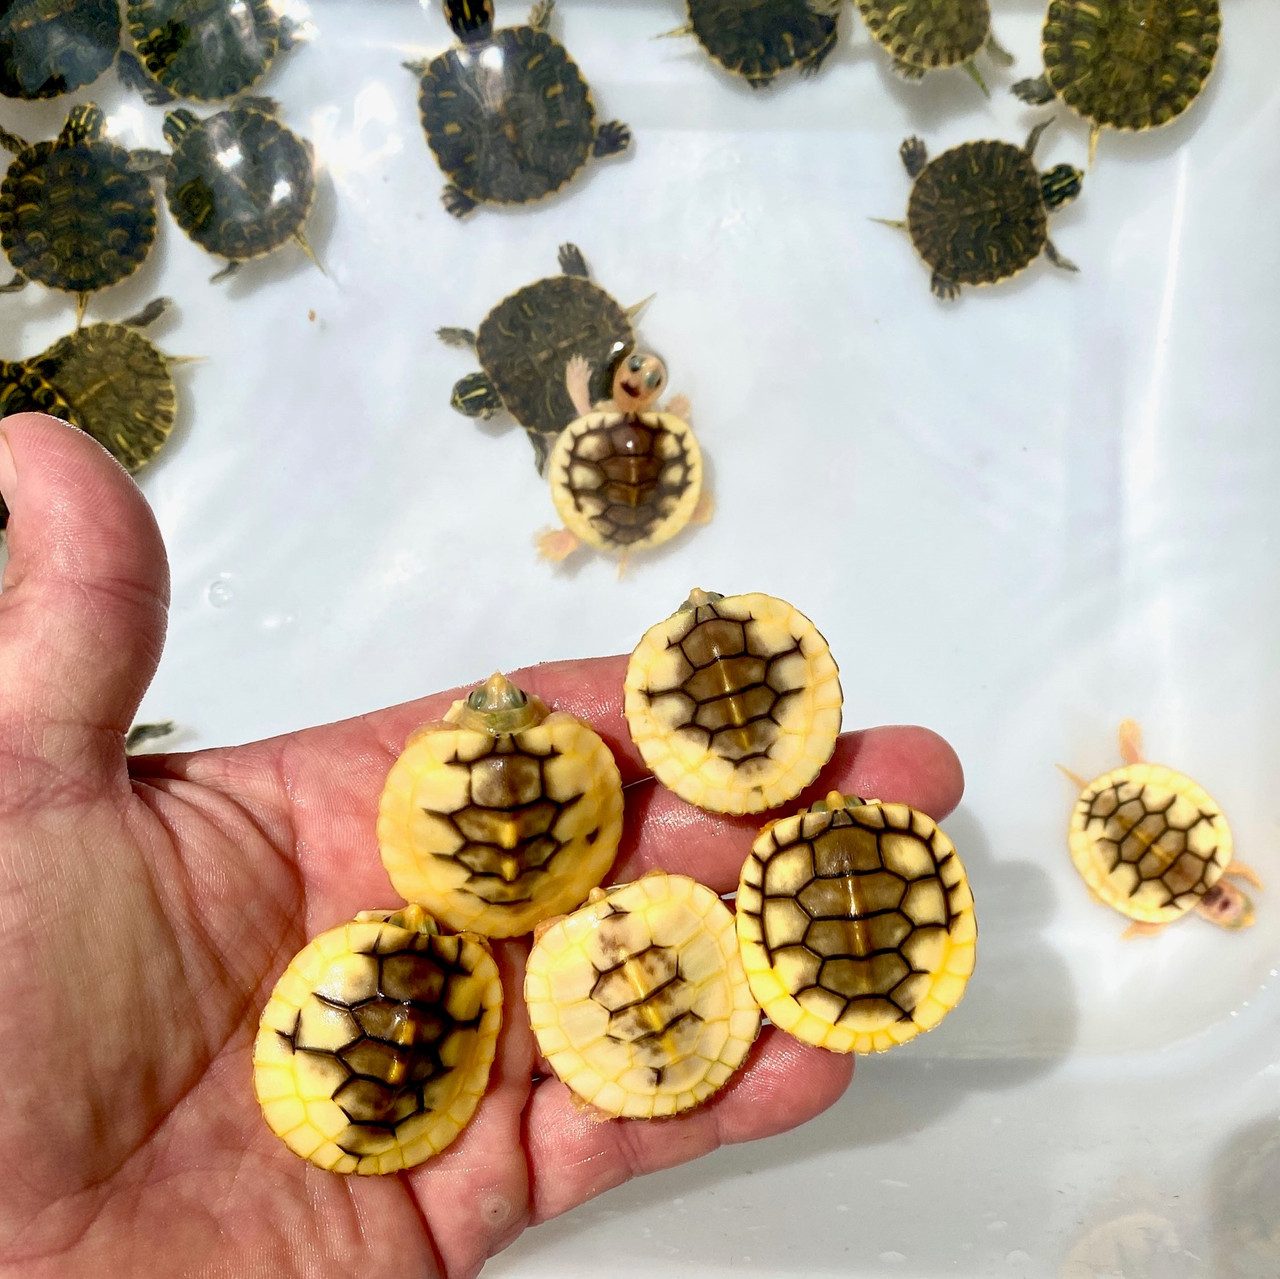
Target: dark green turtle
[[525, 343], [248, 205], [507, 113], [51, 47], [759, 39], [23, 390], [979, 213], [1125, 64], [925, 35]]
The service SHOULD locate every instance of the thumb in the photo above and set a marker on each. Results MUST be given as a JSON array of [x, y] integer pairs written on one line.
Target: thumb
[[85, 592]]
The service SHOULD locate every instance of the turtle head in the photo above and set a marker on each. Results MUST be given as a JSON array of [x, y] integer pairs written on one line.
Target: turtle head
[[469, 19], [497, 706], [1060, 185], [637, 380], [1225, 905], [85, 123], [177, 124]]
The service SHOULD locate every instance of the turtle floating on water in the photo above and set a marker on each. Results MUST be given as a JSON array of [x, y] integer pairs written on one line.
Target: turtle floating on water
[[856, 924], [1152, 844], [500, 815], [1125, 64], [78, 213], [928, 35], [525, 343], [52, 47], [506, 112], [979, 213], [734, 702], [240, 184]]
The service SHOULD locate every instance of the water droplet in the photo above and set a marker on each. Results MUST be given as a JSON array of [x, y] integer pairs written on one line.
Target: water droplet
[[892, 1256], [1017, 1257], [220, 592]]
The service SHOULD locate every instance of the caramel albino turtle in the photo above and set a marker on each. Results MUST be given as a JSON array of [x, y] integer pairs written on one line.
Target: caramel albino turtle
[[374, 1049], [23, 390], [638, 999], [502, 814], [78, 213], [1125, 64], [117, 383], [856, 924], [760, 39], [624, 477], [507, 113], [925, 35], [979, 213], [526, 341], [1152, 844], [52, 47], [734, 702]]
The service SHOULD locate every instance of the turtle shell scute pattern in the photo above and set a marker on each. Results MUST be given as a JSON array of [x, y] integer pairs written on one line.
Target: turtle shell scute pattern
[[760, 39], [52, 47], [1130, 64], [375, 1047], [856, 925], [626, 481], [496, 834], [928, 33], [1149, 841], [509, 119], [977, 214], [73, 217], [639, 1001]]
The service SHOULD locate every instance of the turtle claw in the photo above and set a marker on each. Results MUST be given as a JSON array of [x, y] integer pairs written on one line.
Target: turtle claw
[[456, 201], [612, 138], [915, 155], [943, 289]]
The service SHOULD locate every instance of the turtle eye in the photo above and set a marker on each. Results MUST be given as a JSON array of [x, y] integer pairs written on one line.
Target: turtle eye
[[476, 699], [634, 363], [519, 699]]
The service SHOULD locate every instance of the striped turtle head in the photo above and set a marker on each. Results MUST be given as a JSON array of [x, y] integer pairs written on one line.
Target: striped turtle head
[[469, 19], [497, 706], [1060, 185]]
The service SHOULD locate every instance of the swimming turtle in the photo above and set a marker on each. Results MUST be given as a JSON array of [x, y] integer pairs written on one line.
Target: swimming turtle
[[526, 341], [924, 35], [638, 999], [1125, 64], [239, 183], [76, 213], [759, 39], [856, 924], [624, 477], [979, 213], [117, 384], [502, 814], [52, 47], [23, 390], [374, 1049], [206, 50], [507, 113], [1152, 844]]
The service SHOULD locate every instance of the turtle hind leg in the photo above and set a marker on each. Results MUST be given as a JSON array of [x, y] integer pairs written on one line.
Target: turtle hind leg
[[997, 52], [456, 201], [915, 155], [133, 76], [813, 63], [476, 396], [1036, 92], [149, 313], [556, 544], [1130, 737], [451, 336], [543, 442], [1142, 928], [944, 289], [11, 141], [1057, 259], [572, 262], [612, 138], [907, 70], [540, 14], [227, 271], [16, 285]]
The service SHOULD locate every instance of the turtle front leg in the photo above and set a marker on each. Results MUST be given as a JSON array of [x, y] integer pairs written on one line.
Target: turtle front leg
[[556, 544], [451, 336], [1035, 92], [907, 70], [11, 141], [133, 76], [612, 138], [147, 162], [944, 289], [1064, 264], [149, 313], [456, 201], [16, 285], [540, 14], [572, 262], [915, 155], [1141, 928], [704, 509], [997, 52], [1239, 870], [678, 406], [227, 271], [813, 63]]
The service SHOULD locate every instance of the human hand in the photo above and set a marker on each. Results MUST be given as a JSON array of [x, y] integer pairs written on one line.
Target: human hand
[[148, 905]]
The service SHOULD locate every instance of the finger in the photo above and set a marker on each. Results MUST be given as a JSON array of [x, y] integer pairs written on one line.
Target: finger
[[574, 1154], [86, 589]]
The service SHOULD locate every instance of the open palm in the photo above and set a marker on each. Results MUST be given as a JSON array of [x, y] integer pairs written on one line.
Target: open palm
[[147, 906]]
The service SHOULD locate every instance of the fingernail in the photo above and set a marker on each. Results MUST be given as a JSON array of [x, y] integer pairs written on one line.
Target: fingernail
[[8, 471]]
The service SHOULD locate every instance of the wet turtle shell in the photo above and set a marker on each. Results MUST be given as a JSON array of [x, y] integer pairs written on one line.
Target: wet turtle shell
[[247, 206], [734, 702], [52, 47], [502, 814], [526, 341], [374, 1049], [507, 113], [74, 213], [117, 384], [759, 39], [204, 49], [638, 999], [23, 390], [926, 35], [856, 924]]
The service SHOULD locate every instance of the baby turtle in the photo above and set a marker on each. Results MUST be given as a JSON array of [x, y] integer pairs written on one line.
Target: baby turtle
[[374, 1049], [1153, 845], [52, 47], [1125, 64], [23, 390], [624, 477], [856, 924], [760, 39], [925, 35], [117, 384], [979, 213], [734, 702], [525, 342], [239, 183], [502, 814], [507, 113], [638, 999], [75, 213]]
